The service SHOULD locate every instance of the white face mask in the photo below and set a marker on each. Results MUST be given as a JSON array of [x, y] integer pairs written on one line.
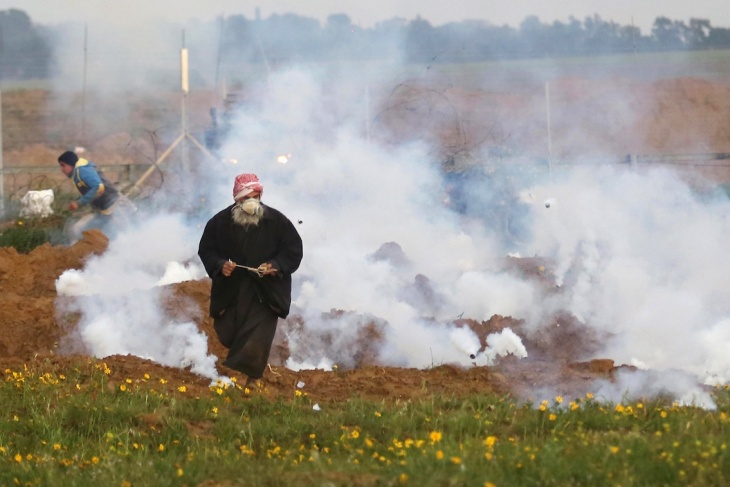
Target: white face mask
[[252, 206]]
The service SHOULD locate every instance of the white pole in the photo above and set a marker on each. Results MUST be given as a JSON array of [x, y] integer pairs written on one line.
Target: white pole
[[217, 84], [2, 176], [184, 83], [184, 70], [367, 112], [83, 87], [549, 135]]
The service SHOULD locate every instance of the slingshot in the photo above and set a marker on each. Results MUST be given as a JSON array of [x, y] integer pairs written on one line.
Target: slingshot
[[259, 271]]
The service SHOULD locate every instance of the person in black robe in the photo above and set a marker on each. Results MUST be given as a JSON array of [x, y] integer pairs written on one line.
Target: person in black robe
[[250, 251]]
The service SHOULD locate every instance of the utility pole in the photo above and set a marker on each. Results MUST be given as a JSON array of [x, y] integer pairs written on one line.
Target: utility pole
[[83, 86], [549, 135], [184, 137], [2, 174], [184, 83]]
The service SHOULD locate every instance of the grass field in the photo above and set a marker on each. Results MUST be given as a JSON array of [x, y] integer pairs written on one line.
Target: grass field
[[90, 426]]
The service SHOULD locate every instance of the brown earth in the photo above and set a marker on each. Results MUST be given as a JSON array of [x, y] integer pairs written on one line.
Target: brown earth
[[32, 333]]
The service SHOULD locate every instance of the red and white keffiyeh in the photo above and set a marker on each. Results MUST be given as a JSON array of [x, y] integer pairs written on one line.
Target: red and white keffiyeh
[[246, 184]]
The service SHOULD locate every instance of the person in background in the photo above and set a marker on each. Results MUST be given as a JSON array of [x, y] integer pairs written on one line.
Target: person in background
[[250, 252], [96, 192]]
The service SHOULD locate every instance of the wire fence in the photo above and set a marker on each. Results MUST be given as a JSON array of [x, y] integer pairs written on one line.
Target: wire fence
[[19, 180]]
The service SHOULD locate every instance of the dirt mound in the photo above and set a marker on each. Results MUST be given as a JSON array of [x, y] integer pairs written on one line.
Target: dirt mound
[[33, 332]]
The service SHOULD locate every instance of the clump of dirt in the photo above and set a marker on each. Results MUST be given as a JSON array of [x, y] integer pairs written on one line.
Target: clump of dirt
[[31, 332]]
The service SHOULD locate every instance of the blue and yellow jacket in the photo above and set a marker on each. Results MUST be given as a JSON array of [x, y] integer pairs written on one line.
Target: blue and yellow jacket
[[94, 188]]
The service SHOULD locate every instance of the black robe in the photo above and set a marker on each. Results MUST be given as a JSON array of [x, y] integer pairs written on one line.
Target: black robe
[[274, 240], [243, 303]]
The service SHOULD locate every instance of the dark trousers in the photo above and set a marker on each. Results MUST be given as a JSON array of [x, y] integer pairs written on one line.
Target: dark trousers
[[247, 330]]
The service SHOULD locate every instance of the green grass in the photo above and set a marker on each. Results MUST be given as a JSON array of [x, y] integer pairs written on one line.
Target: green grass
[[86, 426], [25, 234], [23, 239]]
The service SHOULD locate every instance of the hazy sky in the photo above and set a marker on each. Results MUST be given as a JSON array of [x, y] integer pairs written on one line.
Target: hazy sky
[[366, 13]]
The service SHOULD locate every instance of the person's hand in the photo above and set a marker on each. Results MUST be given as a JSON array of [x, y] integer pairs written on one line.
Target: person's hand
[[73, 206], [228, 268], [267, 269]]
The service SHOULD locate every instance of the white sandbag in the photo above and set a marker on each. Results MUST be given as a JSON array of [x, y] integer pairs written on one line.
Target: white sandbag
[[37, 203]]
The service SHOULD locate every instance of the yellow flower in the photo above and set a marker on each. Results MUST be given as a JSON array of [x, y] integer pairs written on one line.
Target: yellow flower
[[488, 455], [490, 441], [403, 478], [543, 407], [355, 434], [552, 417], [439, 455], [435, 436], [180, 472], [161, 447], [589, 395], [122, 387], [18, 457], [663, 414], [489, 484], [456, 460], [559, 399], [215, 410], [94, 460], [56, 446], [297, 393], [182, 388], [147, 377], [615, 449], [377, 414], [163, 381]]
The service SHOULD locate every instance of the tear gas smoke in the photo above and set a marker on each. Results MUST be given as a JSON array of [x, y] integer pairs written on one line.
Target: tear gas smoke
[[638, 255], [118, 296]]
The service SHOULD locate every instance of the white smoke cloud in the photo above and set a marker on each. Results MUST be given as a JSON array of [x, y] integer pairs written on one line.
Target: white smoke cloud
[[637, 254], [119, 297], [641, 256]]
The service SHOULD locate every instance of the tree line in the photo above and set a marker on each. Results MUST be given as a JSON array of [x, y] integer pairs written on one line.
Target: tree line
[[26, 48]]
